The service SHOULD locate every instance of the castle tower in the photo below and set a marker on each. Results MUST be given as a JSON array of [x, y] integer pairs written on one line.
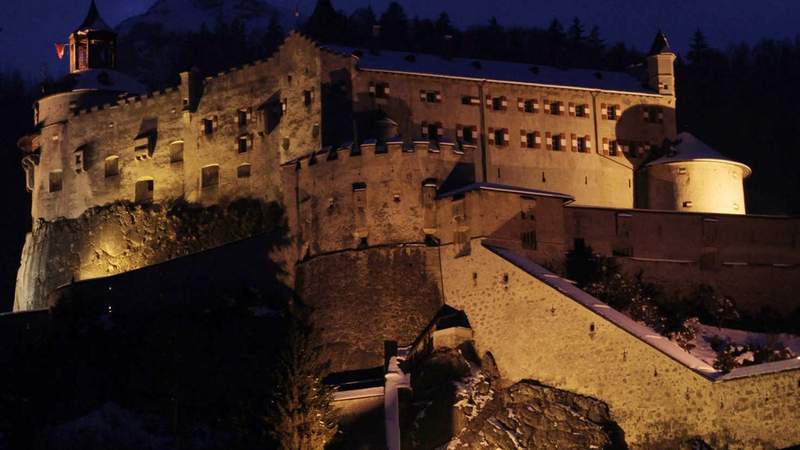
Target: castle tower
[[693, 177], [661, 66], [93, 44]]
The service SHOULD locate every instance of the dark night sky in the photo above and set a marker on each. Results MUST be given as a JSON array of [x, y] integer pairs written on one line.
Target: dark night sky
[[28, 28]]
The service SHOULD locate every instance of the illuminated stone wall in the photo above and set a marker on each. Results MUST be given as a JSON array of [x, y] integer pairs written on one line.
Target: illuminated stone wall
[[121, 237], [593, 178], [754, 259], [702, 186], [536, 332]]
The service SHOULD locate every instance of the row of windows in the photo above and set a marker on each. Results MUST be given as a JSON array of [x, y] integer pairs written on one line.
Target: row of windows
[[530, 105], [209, 176]]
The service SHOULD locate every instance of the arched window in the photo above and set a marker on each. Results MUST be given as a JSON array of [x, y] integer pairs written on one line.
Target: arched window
[[243, 171], [209, 176], [176, 152], [112, 166]]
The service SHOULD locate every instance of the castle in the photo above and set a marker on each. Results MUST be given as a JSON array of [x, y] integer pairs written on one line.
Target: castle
[[411, 181]]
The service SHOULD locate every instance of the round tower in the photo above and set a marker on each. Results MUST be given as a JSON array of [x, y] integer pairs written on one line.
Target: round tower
[[92, 79], [50, 160], [693, 177]]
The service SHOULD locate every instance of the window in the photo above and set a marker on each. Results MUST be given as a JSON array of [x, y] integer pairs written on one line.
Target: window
[[209, 176], [653, 115], [430, 96], [56, 180], [176, 152], [242, 117], [557, 144], [308, 97], [580, 111], [243, 171], [555, 108], [611, 112], [208, 126], [144, 191], [379, 90], [529, 240], [530, 139], [529, 106], [467, 135], [244, 143], [498, 136], [499, 103], [433, 131], [581, 141], [613, 148], [466, 99], [112, 166]]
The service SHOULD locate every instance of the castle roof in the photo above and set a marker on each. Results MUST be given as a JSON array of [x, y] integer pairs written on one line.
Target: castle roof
[[500, 71], [505, 188], [660, 44], [105, 80], [688, 148], [93, 21]]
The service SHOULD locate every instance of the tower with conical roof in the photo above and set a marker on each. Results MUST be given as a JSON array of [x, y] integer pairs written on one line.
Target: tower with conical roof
[[661, 65], [93, 44]]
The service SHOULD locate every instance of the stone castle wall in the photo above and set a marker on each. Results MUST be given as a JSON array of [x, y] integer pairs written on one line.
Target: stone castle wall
[[754, 259], [362, 298], [346, 199], [122, 237], [696, 186], [595, 177], [534, 331]]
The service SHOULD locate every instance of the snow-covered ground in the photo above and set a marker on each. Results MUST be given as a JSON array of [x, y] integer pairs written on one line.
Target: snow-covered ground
[[705, 334]]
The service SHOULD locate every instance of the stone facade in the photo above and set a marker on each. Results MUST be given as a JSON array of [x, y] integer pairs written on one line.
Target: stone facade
[[537, 332]]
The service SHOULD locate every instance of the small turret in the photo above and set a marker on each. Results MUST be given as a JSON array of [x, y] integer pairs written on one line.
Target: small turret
[[93, 44], [661, 66]]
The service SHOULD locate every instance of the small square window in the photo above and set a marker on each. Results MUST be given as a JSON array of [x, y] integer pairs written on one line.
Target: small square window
[[580, 111], [468, 135], [243, 144], [528, 106], [555, 108], [582, 144], [430, 96], [176, 152], [612, 113], [466, 100], [497, 103], [243, 171], [530, 139], [382, 90]]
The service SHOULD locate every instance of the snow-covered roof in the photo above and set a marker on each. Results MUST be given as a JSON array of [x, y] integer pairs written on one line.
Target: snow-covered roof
[[500, 71], [106, 80], [687, 148], [504, 188]]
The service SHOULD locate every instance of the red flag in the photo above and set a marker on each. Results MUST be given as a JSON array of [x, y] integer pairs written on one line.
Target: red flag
[[60, 50]]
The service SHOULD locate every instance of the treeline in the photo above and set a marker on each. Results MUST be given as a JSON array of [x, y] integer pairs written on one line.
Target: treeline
[[572, 45]]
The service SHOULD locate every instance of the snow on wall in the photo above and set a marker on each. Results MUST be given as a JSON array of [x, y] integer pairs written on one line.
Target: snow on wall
[[538, 326]]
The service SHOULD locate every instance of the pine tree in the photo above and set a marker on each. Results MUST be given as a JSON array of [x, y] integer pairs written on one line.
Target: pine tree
[[301, 416], [325, 22], [394, 26], [575, 32], [698, 47]]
